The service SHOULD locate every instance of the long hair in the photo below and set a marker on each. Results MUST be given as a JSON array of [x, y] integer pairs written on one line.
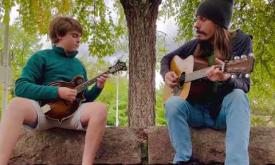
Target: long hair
[[222, 43]]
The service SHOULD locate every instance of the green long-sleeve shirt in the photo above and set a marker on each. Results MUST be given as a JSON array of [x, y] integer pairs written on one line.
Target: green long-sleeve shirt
[[48, 66]]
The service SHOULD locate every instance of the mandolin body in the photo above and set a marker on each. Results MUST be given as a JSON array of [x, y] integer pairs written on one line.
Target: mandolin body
[[60, 109]]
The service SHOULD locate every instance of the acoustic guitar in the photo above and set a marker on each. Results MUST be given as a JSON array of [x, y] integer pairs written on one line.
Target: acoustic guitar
[[184, 70], [60, 109]]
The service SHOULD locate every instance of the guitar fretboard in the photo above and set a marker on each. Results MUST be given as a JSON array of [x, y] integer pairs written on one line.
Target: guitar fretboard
[[197, 74]]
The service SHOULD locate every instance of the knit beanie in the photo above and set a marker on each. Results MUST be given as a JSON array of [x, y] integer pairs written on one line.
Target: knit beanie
[[219, 11]]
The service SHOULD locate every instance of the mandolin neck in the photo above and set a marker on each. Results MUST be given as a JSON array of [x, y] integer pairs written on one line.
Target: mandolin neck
[[83, 86]]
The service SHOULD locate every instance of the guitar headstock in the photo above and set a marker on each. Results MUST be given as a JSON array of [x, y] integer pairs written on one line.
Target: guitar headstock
[[119, 66], [243, 65]]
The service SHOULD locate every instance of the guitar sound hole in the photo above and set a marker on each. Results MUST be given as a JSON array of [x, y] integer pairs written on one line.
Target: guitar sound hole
[[182, 80]]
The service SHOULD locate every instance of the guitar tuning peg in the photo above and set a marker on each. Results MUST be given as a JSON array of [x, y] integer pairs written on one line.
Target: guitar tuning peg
[[247, 75], [243, 56], [240, 75], [233, 76], [236, 58]]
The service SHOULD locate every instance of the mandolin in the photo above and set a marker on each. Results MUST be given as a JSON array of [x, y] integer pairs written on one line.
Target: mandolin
[[184, 70], [60, 109]]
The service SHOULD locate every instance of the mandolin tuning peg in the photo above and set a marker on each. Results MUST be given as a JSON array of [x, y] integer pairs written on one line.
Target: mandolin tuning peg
[[236, 58], [233, 76], [247, 75], [243, 56]]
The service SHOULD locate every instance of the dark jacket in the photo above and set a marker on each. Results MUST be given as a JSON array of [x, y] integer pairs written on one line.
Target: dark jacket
[[241, 45]]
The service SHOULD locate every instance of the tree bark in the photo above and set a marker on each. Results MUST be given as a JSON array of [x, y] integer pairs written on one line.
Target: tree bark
[[141, 16]]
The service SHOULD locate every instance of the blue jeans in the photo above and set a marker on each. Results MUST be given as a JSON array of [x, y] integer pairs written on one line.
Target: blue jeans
[[234, 117]]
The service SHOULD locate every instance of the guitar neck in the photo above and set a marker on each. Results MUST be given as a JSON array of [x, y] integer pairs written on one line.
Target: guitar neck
[[83, 86], [196, 74]]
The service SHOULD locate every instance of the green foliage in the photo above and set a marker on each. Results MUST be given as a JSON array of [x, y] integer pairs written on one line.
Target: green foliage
[[160, 47], [160, 113], [184, 13], [35, 15], [93, 17], [6, 6], [22, 45], [108, 96], [255, 18], [101, 32]]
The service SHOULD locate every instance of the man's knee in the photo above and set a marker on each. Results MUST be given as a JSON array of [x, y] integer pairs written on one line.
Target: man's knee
[[174, 106], [238, 100], [237, 96]]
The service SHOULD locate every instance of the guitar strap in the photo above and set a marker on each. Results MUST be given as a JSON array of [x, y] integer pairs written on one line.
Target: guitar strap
[[210, 59], [196, 52]]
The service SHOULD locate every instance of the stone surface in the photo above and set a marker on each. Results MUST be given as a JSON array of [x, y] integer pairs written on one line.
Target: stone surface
[[59, 146], [208, 146], [133, 146], [262, 146]]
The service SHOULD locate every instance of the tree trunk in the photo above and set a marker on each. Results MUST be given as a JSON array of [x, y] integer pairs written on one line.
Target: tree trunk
[[141, 16]]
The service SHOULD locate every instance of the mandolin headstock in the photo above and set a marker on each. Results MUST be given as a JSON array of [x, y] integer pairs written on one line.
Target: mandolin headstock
[[119, 66]]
